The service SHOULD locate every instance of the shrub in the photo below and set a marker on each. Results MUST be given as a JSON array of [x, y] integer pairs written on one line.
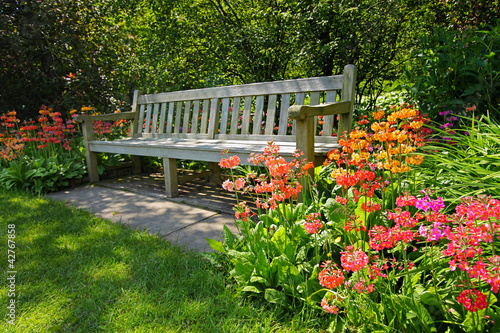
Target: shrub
[[453, 69]]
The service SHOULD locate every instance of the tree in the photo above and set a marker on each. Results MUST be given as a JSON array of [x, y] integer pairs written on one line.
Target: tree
[[61, 53]]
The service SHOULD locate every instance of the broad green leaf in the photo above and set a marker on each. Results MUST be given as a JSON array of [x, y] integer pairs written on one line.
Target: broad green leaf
[[216, 245], [228, 236], [252, 289]]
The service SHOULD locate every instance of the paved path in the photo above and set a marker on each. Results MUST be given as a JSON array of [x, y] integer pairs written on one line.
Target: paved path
[[186, 225]]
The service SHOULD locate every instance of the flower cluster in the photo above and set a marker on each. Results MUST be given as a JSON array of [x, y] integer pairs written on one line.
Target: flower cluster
[[330, 276], [280, 184], [369, 151], [472, 300], [474, 226], [49, 129], [353, 259], [313, 223]]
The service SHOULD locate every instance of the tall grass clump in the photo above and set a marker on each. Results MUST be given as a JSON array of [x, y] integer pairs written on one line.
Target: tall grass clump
[[463, 157]]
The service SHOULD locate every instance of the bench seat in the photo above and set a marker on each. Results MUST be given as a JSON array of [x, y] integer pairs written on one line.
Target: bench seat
[[199, 149]]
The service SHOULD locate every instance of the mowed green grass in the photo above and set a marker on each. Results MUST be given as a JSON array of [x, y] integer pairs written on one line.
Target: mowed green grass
[[80, 273]]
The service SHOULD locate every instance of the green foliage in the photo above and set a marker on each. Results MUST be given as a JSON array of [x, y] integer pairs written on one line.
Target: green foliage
[[456, 68], [458, 14], [464, 161], [374, 35], [42, 175], [63, 53], [72, 53]]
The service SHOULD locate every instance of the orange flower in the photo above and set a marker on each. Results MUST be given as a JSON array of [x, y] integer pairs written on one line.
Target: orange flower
[[377, 115]]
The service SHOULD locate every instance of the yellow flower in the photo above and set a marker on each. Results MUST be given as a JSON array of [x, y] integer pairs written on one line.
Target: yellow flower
[[338, 172], [416, 124], [357, 134]]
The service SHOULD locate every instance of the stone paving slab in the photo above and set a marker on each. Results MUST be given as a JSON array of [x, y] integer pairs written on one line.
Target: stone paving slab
[[180, 223]]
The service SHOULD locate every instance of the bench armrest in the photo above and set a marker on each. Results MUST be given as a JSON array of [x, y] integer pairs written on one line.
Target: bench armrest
[[303, 111], [105, 117]]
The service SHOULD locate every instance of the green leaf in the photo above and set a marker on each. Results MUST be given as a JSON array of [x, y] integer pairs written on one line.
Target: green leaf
[[228, 236], [252, 289], [334, 211], [472, 90], [216, 245], [258, 279], [275, 297]]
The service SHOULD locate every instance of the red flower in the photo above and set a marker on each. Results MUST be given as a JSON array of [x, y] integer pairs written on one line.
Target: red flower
[[472, 300], [330, 277]]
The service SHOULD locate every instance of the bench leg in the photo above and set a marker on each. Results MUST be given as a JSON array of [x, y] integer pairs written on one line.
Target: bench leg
[[215, 176], [92, 166], [136, 160], [170, 171]]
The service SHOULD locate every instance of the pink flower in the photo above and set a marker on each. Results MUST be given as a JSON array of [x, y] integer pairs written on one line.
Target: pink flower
[[353, 260], [228, 185], [313, 227], [329, 308], [239, 183], [230, 162]]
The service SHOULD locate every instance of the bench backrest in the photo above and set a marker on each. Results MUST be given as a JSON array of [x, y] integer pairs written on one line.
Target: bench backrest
[[240, 111]]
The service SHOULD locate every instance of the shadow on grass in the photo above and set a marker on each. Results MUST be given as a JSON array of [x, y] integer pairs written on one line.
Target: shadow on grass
[[80, 273]]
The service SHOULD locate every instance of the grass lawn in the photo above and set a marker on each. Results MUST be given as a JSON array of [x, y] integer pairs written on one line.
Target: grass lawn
[[80, 273]]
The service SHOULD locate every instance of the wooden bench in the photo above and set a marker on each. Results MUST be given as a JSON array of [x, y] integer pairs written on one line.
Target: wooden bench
[[198, 124]]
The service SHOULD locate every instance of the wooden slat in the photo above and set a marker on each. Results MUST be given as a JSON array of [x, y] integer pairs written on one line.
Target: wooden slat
[[253, 89], [149, 109], [328, 121], [204, 116], [235, 115], [141, 119], [196, 115], [134, 126], [170, 117], [257, 119], [299, 100], [315, 98], [213, 121], [201, 150], [163, 112], [283, 123], [190, 136], [348, 94], [245, 122], [178, 117], [234, 137], [155, 118], [270, 115], [257, 137], [187, 114], [224, 116]]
